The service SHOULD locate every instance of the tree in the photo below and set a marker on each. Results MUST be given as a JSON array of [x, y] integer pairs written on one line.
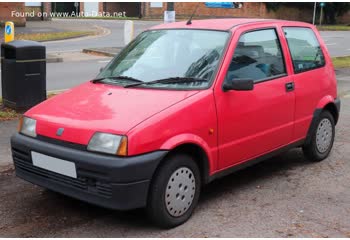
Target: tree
[[333, 10], [275, 5]]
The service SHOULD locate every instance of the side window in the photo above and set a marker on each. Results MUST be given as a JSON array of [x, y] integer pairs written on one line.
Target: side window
[[304, 48], [257, 56]]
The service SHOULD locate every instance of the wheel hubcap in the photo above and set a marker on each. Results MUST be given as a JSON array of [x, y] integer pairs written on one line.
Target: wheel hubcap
[[324, 135], [180, 191]]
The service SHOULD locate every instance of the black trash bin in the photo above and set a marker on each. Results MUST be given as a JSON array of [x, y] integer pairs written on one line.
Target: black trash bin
[[23, 74]]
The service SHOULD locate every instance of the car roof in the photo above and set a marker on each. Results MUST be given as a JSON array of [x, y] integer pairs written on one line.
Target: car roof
[[221, 24]]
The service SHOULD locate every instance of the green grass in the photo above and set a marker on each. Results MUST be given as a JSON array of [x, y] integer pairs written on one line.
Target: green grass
[[334, 28], [7, 113], [48, 36], [341, 62]]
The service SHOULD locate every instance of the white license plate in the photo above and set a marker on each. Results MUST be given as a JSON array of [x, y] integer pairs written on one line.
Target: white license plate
[[54, 164]]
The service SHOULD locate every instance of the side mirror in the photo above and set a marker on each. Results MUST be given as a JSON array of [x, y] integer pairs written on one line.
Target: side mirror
[[239, 84]]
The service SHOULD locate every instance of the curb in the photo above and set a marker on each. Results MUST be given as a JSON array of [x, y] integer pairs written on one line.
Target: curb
[[8, 168], [101, 52], [101, 32], [56, 91], [68, 38], [52, 59]]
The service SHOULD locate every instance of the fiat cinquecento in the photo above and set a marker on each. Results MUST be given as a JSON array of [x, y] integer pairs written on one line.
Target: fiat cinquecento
[[181, 105]]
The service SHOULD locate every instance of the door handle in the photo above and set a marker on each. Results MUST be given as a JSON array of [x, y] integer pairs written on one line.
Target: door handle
[[290, 86]]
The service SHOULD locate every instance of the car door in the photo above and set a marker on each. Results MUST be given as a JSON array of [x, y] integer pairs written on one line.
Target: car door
[[311, 77], [252, 123]]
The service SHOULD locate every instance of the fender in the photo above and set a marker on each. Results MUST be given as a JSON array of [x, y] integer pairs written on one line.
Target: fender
[[334, 101], [189, 138], [320, 106], [324, 101]]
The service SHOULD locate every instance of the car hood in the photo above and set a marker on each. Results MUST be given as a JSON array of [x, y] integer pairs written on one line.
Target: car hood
[[91, 107]]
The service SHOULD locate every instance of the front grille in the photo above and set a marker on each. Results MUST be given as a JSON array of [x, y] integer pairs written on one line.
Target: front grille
[[62, 143], [23, 162]]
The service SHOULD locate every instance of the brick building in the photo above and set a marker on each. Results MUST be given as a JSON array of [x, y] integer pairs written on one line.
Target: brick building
[[345, 18], [249, 9], [38, 9], [132, 9], [156, 10], [6, 9]]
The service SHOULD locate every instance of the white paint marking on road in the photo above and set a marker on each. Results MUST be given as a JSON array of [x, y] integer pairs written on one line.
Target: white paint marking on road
[[330, 44], [104, 61]]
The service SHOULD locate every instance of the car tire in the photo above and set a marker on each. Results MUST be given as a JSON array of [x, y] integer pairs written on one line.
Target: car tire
[[174, 191], [322, 138]]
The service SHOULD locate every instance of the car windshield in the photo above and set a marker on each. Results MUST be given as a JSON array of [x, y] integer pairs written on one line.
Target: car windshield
[[190, 56]]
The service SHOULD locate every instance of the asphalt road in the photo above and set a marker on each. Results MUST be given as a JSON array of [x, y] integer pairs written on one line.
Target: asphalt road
[[337, 42], [73, 72], [69, 74], [114, 39]]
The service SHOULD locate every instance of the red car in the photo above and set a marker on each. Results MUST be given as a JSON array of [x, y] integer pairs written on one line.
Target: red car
[[181, 105]]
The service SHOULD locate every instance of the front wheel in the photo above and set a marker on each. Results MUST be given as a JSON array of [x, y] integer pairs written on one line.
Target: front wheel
[[322, 138], [174, 191]]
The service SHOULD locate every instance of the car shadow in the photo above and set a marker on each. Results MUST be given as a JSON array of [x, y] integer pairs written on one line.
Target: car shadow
[[280, 165]]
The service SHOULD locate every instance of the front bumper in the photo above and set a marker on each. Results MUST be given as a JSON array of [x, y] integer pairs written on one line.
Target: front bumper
[[109, 181]]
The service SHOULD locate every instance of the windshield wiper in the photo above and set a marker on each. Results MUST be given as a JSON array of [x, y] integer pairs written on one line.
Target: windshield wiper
[[117, 78], [170, 80]]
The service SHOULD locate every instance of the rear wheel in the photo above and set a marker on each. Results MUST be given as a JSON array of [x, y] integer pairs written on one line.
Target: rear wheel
[[322, 138], [174, 191]]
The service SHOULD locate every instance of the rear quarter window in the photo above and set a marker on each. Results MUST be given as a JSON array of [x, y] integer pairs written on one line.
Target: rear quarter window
[[304, 48]]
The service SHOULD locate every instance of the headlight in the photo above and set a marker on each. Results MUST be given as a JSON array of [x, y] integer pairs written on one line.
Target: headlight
[[27, 126], [108, 143]]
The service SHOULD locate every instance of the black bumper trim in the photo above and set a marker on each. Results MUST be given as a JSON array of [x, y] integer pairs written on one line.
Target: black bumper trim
[[109, 181], [126, 196], [337, 104]]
